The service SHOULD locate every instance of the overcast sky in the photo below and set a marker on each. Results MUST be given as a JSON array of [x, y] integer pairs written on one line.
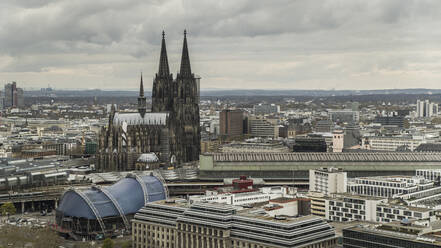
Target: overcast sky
[[255, 44]]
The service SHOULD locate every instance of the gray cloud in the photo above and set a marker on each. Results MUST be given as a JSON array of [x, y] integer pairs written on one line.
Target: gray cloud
[[242, 43]]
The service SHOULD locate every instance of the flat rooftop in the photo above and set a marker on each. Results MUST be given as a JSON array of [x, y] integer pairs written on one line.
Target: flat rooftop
[[255, 211]]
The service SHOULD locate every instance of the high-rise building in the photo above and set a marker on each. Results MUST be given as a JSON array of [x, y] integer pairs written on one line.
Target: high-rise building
[[231, 122], [13, 96], [426, 108], [171, 130]]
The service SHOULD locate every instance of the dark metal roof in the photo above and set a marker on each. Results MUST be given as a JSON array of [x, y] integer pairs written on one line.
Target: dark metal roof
[[127, 195], [328, 157]]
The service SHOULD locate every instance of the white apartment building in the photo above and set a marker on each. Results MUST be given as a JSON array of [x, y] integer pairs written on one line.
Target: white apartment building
[[429, 174], [264, 194], [403, 187], [381, 143], [345, 207], [328, 181], [390, 212]]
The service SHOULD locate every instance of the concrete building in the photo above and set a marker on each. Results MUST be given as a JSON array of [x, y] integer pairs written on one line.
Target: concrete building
[[263, 194], [349, 207], [13, 96], [324, 126], [430, 174], [404, 187], [397, 121], [264, 109], [381, 143], [426, 108], [338, 140], [397, 234], [391, 212], [346, 207], [231, 122], [344, 115], [261, 127], [175, 223], [328, 180], [310, 144]]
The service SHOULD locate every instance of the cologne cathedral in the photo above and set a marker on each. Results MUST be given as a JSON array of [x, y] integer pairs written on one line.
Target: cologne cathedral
[[170, 130]]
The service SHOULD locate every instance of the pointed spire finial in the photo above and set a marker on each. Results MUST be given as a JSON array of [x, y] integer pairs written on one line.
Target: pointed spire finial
[[141, 88], [185, 59], [164, 70]]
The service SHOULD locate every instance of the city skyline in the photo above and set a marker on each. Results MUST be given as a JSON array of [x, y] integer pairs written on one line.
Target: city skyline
[[234, 45]]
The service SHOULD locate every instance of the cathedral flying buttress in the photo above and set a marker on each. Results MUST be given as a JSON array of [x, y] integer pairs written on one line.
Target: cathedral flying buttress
[[171, 130]]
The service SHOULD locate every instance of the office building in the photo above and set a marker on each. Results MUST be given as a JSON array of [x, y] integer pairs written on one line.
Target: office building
[[344, 115], [265, 109], [175, 223], [231, 122], [328, 180], [261, 127], [244, 197], [350, 207], [390, 186], [430, 174], [383, 143], [396, 234], [397, 121], [310, 144], [13, 96], [324, 126], [392, 212]]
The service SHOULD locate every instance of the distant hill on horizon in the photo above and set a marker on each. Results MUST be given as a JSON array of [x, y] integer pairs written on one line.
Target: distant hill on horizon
[[237, 92]]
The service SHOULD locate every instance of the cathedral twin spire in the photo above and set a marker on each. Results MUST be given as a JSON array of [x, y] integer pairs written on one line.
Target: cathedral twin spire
[[164, 71], [185, 59]]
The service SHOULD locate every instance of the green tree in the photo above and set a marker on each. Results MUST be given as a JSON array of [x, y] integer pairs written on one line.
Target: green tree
[[108, 243], [8, 208], [127, 244]]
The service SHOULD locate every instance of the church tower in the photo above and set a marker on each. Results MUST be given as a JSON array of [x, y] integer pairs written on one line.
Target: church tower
[[188, 107], [141, 99], [162, 98]]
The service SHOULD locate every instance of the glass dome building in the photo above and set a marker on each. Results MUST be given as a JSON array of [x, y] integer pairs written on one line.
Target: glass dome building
[[107, 210]]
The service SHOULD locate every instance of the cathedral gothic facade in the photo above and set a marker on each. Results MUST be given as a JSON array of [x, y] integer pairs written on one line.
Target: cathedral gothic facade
[[171, 130]]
